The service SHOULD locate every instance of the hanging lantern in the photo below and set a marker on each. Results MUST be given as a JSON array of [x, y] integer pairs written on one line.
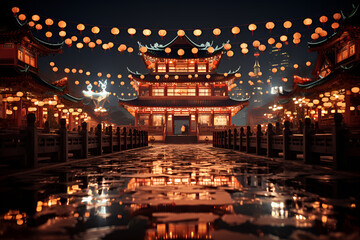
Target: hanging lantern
[[283, 38], [314, 36], [62, 34], [256, 43], [271, 41], [180, 33], [35, 18], [52, 64], [105, 46], [68, 42], [308, 63], [230, 53], [31, 24], [122, 83], [262, 47], [238, 75], [74, 38], [62, 24], [180, 52], [323, 33], [79, 45], [80, 27], [91, 45], [95, 30], [244, 51], [318, 30], [287, 25], [243, 45], [99, 74], [122, 48], [235, 31], [282, 68], [15, 10], [268, 81], [80, 71], [278, 45], [208, 76], [217, 32], [194, 50], [55, 69], [119, 76], [108, 75], [252, 27], [296, 41], [274, 70], [162, 33], [335, 26], [86, 40], [38, 26], [296, 66], [48, 35], [110, 45], [197, 33], [73, 70], [167, 50], [77, 82], [337, 16], [227, 46], [115, 31], [22, 17], [49, 22], [323, 19], [143, 49], [130, 50], [210, 50], [297, 35], [284, 79], [87, 73], [146, 32], [66, 70], [131, 31], [355, 90], [270, 26]]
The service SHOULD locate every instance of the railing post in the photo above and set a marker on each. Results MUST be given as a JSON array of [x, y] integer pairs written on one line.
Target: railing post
[[111, 150], [47, 127], [248, 134], [85, 138], [241, 139], [258, 139], [225, 138], [136, 134], [131, 138], [339, 143], [31, 157], [63, 141], [235, 139], [146, 138], [229, 139], [125, 139], [142, 142], [270, 133], [287, 154], [99, 134], [277, 128], [307, 142], [118, 135]]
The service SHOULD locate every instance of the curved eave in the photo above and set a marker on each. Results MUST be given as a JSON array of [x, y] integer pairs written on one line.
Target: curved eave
[[187, 55], [150, 78], [71, 98], [314, 46]]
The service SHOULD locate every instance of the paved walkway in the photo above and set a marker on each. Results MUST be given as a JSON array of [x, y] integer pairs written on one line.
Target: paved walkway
[[180, 191]]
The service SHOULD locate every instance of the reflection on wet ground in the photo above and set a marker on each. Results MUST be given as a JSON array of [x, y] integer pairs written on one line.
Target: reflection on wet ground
[[180, 192]]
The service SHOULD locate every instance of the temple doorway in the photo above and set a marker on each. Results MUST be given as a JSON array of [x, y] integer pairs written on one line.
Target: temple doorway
[[181, 125]]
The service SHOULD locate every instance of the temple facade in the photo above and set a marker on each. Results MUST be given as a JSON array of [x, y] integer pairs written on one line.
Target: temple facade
[[182, 94]]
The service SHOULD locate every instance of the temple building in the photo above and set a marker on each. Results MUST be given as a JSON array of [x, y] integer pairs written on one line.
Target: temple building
[[336, 82], [182, 90]]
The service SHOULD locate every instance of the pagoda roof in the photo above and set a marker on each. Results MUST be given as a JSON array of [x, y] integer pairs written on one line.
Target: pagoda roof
[[158, 50], [353, 19], [183, 77], [12, 30], [179, 103]]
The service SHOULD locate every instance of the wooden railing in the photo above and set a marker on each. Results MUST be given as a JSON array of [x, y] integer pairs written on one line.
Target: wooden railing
[[31, 144], [342, 145]]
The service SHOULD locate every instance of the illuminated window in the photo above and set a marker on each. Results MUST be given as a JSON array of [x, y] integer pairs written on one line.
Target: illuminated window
[[181, 92], [191, 67], [221, 120], [158, 92], [32, 62], [181, 66], [345, 52], [8, 45], [161, 67], [204, 119], [27, 59], [143, 120], [201, 67], [204, 92], [169, 123], [172, 67], [20, 55], [158, 120], [219, 92]]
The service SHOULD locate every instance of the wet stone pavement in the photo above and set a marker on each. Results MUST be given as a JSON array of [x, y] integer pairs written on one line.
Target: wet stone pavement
[[180, 192]]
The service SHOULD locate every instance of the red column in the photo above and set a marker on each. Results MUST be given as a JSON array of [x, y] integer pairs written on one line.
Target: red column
[[136, 118], [347, 114], [230, 118], [41, 116], [4, 110], [18, 114]]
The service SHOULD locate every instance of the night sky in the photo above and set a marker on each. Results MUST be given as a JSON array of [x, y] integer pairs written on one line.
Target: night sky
[[174, 15]]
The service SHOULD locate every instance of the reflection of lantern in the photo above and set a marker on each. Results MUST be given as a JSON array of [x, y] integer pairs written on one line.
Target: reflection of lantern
[[271, 41], [194, 50], [143, 49], [274, 70], [217, 32], [180, 33], [227, 46], [337, 16], [296, 66], [256, 43], [197, 32], [80, 27], [323, 19], [243, 45], [314, 36], [115, 31], [308, 63], [270, 25], [283, 38], [287, 25], [95, 30], [244, 51], [68, 42], [162, 33], [252, 27], [167, 50], [22, 17], [335, 26], [147, 32], [35, 18], [49, 22], [62, 24], [278, 45], [262, 47], [131, 31], [180, 52], [230, 53], [210, 50]]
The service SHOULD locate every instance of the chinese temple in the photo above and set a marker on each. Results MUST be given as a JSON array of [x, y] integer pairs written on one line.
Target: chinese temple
[[335, 85], [22, 88], [182, 94]]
